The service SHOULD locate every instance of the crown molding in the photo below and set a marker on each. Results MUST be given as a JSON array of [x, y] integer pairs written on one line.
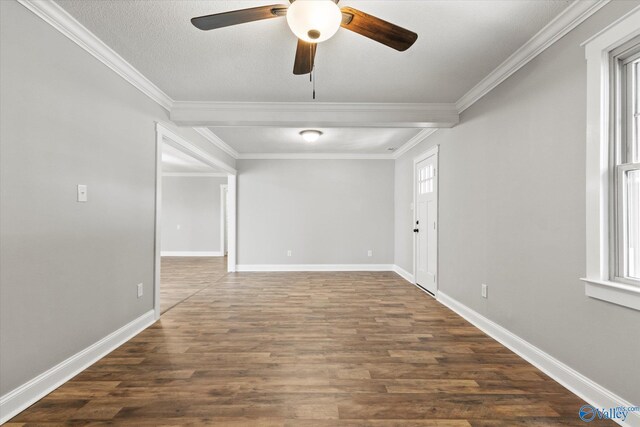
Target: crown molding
[[164, 133], [302, 114], [314, 156], [314, 114], [421, 136], [608, 29], [576, 13], [195, 174], [313, 107], [62, 21], [215, 140]]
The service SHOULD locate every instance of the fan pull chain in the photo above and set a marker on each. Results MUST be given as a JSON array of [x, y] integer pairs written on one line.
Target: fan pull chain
[[312, 73], [311, 62]]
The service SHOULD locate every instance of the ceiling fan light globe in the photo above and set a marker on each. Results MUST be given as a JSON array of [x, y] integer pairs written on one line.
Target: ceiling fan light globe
[[314, 21]]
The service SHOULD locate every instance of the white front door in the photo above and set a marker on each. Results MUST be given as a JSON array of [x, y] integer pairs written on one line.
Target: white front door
[[425, 226]]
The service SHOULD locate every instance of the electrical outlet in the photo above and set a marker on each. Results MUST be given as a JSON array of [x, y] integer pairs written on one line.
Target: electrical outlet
[[369, 252], [289, 252], [485, 291], [140, 290]]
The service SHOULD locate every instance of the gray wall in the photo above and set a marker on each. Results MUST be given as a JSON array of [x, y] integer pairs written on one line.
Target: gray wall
[[68, 270], [324, 211], [511, 207], [512, 215], [194, 204]]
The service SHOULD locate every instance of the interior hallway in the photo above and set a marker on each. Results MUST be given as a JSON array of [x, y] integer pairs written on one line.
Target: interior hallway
[[181, 277], [307, 349]]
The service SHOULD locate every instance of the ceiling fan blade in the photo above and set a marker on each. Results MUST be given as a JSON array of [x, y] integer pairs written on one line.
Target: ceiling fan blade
[[235, 17], [376, 29], [305, 56]]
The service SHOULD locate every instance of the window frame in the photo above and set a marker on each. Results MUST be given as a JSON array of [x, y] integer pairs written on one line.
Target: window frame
[[620, 256], [622, 132], [602, 280]]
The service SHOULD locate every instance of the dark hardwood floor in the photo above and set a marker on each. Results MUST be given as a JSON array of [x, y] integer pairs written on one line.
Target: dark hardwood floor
[[309, 349]]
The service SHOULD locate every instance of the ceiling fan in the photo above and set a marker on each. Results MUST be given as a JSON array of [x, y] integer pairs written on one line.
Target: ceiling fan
[[314, 21]]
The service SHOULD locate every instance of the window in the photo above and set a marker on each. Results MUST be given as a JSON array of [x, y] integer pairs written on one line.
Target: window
[[613, 163], [425, 179], [625, 162]]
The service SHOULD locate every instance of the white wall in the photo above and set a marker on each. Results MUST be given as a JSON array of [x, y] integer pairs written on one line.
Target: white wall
[[193, 204], [324, 211], [68, 270], [512, 215]]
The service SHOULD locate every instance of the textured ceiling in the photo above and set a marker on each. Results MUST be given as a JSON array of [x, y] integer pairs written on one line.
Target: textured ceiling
[[288, 140], [459, 43]]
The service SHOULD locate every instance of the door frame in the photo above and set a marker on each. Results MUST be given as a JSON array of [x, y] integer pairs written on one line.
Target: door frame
[[431, 152], [223, 218], [165, 135]]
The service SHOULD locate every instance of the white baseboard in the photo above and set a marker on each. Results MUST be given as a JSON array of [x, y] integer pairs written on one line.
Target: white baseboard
[[314, 267], [27, 394], [403, 273], [191, 253], [327, 267], [588, 390]]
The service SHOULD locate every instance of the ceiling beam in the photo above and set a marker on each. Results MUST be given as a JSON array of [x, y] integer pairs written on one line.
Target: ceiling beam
[[311, 114]]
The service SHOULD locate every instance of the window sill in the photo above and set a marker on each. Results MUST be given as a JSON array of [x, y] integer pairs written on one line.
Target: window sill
[[616, 293]]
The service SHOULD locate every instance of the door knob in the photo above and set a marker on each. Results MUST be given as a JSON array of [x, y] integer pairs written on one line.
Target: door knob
[[416, 230]]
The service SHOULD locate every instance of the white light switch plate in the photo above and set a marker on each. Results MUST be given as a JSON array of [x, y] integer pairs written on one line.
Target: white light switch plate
[[485, 291], [82, 193], [140, 290]]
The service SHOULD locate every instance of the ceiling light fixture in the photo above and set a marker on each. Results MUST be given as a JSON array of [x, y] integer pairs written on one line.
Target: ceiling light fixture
[[310, 135], [314, 21]]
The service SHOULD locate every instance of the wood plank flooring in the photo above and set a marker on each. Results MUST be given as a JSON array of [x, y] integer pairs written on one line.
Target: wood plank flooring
[[181, 277], [309, 349]]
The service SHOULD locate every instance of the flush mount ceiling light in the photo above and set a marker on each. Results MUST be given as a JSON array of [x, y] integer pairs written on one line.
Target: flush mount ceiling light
[[314, 21], [310, 135]]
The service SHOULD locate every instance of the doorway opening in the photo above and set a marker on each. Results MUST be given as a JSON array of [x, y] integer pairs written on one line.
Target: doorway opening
[[425, 217], [224, 221], [195, 223]]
